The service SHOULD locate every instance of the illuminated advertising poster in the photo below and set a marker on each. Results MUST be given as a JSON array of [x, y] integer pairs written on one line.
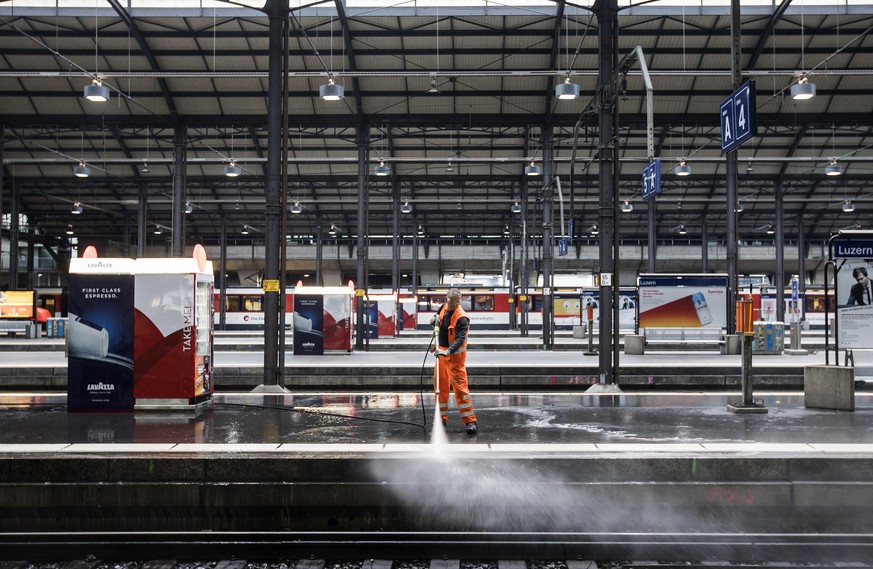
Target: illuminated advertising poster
[[100, 341], [16, 304], [338, 322], [683, 301], [854, 292], [627, 308], [308, 325]]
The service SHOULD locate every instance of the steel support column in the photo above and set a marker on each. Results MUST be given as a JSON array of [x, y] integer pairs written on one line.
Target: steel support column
[[14, 228], [801, 257], [395, 251], [319, 251], [731, 174], [277, 12], [523, 301], [141, 220], [361, 284], [548, 241], [607, 12], [180, 161], [652, 249], [779, 242], [222, 276], [704, 246]]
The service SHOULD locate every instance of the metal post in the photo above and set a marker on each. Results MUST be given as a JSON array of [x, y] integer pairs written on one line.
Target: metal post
[[779, 241], [14, 228], [548, 241], [222, 277], [180, 150], [731, 169], [361, 332], [141, 220], [277, 11], [608, 37], [319, 251], [523, 301]]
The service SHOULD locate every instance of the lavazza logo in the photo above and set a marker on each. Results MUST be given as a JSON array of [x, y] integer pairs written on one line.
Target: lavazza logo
[[101, 387]]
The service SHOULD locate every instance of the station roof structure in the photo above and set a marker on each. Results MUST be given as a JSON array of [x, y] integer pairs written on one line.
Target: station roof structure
[[455, 99]]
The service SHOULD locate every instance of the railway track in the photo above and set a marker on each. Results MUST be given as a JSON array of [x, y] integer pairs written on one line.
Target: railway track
[[402, 550]]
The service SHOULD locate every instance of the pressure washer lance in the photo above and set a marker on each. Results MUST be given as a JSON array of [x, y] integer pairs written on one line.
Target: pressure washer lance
[[436, 334]]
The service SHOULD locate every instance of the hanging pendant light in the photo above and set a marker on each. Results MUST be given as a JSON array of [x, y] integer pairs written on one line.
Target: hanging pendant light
[[331, 91], [683, 169], [76, 209], [232, 170], [296, 208], [803, 89], [566, 91], [406, 207], [382, 169], [627, 207], [69, 230], [97, 92], [834, 169], [532, 169], [516, 208], [848, 206], [82, 171]]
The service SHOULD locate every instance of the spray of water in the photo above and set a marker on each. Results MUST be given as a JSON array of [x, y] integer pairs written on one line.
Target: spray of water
[[438, 437]]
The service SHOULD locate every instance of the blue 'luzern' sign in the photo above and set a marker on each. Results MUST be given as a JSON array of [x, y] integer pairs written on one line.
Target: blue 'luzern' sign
[[849, 248], [738, 122], [652, 179]]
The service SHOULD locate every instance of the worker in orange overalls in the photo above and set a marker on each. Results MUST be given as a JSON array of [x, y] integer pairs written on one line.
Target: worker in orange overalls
[[451, 354]]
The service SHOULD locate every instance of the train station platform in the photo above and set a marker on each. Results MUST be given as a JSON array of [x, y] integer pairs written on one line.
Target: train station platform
[[496, 362], [668, 476]]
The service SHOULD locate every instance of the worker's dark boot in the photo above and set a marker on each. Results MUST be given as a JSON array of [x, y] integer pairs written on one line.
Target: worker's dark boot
[[472, 429]]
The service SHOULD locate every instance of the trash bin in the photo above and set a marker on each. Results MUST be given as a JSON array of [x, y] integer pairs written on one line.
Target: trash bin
[[31, 331], [769, 338]]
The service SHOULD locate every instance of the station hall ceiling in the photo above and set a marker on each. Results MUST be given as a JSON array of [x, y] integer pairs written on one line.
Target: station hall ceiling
[[454, 99]]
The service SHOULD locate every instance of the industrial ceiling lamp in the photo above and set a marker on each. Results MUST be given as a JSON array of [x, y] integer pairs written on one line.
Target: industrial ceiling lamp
[[145, 167], [406, 208], [232, 170], [683, 169], [420, 230], [506, 230], [834, 169], [332, 230], [516, 208], [97, 92], [158, 230], [382, 169], [69, 230], [296, 208], [449, 168], [682, 230], [594, 230], [770, 229], [245, 230], [848, 206], [331, 91], [82, 171], [532, 170], [77, 208], [803, 89], [627, 207], [566, 91], [189, 208]]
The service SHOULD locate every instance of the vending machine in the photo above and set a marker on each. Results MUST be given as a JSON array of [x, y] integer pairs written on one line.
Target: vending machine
[[174, 331]]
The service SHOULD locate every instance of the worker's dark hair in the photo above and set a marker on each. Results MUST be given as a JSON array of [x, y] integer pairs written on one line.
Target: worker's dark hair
[[859, 271]]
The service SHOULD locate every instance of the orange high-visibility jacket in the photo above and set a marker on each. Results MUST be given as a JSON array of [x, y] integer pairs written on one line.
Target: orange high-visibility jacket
[[453, 323]]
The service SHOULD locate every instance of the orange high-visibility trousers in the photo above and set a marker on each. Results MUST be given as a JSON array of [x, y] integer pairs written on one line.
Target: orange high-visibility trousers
[[453, 373]]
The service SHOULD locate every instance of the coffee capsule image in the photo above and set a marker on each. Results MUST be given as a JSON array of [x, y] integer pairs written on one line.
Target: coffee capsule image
[[86, 339]]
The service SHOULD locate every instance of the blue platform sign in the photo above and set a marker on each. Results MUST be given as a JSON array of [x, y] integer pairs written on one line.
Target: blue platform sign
[[563, 246], [652, 179], [738, 123]]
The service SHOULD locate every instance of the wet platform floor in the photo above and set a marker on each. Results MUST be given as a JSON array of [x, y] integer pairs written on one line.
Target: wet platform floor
[[535, 419]]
